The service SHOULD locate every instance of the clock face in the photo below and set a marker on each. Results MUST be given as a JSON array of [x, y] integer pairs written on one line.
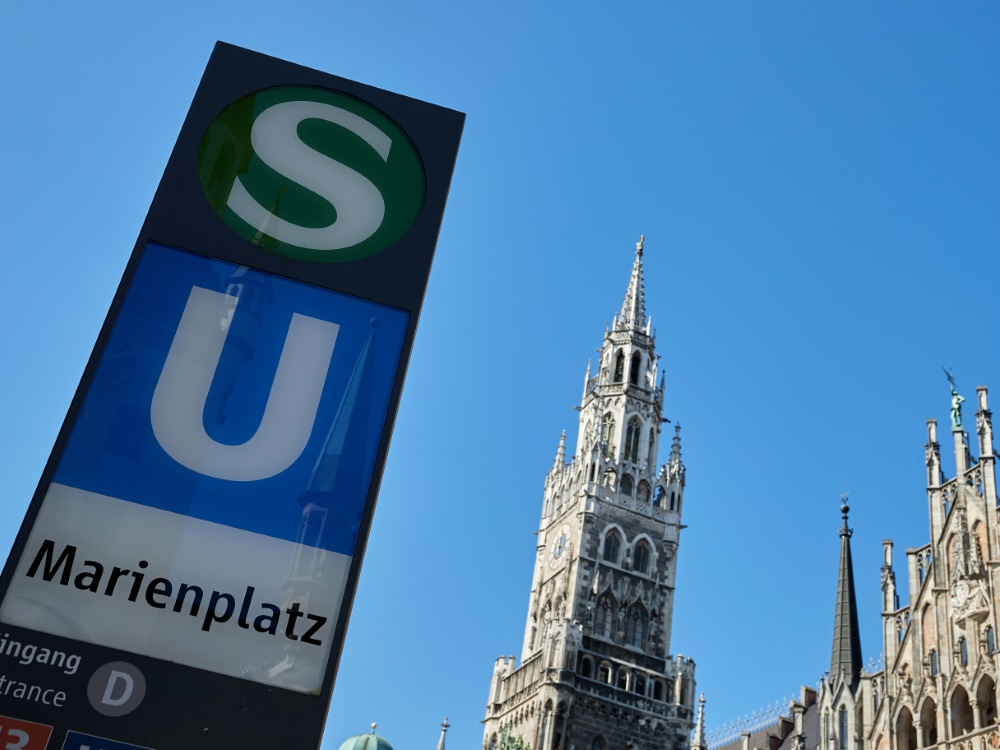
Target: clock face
[[559, 546]]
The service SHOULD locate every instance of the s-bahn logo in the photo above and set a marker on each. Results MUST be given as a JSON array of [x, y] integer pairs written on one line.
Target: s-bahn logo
[[311, 174]]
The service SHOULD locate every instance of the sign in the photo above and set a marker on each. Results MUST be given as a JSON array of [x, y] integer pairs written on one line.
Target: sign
[[184, 575]]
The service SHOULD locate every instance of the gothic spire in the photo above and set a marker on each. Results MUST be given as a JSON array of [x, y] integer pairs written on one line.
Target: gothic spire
[[633, 313], [698, 742], [846, 657]]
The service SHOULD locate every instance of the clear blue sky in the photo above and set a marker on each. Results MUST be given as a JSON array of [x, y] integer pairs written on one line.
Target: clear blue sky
[[818, 184]]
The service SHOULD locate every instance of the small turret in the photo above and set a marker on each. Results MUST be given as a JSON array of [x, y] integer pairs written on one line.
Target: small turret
[[984, 423], [560, 461]]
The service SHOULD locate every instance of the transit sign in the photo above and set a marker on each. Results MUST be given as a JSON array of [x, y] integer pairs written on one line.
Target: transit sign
[[184, 574]]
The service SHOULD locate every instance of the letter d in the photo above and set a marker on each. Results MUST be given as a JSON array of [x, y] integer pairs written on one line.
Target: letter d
[[116, 689], [114, 697]]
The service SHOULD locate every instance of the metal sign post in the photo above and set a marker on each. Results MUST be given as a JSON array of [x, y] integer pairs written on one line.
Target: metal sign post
[[184, 575]]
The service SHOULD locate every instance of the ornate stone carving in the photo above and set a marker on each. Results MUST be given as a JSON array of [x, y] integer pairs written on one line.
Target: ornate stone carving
[[968, 596]]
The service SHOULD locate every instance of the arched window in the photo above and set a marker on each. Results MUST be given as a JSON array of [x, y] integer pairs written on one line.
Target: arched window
[[635, 625], [604, 673], [632, 441], [986, 696], [658, 494], [963, 651], [610, 479], [650, 455], [587, 667], [597, 744], [607, 433], [619, 366], [642, 495], [626, 485], [906, 733], [991, 640], [843, 728], [640, 558], [934, 663], [657, 690], [545, 723], [639, 684], [961, 712], [928, 722], [633, 372], [673, 500], [605, 616], [623, 678], [612, 546]]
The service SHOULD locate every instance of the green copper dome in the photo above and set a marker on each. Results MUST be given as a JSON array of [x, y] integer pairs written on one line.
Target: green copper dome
[[370, 741]]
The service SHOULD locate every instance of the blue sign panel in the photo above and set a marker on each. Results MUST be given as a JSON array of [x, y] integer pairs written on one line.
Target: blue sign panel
[[207, 505], [80, 741]]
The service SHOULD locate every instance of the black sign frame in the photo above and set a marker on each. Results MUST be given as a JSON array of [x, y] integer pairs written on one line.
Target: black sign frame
[[197, 709]]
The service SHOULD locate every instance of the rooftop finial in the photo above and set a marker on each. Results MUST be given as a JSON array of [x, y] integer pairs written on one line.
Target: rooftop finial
[[444, 728], [633, 313], [844, 509], [373, 727]]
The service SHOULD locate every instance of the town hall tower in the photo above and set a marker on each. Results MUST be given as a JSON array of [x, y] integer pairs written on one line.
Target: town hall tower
[[596, 669]]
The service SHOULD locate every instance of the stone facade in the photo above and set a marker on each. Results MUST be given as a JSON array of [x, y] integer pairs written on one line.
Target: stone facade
[[596, 671], [938, 685]]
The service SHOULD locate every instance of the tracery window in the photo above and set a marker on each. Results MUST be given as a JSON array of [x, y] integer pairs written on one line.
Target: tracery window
[[612, 546], [843, 728], [635, 626], [633, 373], [607, 433], [632, 441], [640, 558], [605, 616], [619, 366]]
